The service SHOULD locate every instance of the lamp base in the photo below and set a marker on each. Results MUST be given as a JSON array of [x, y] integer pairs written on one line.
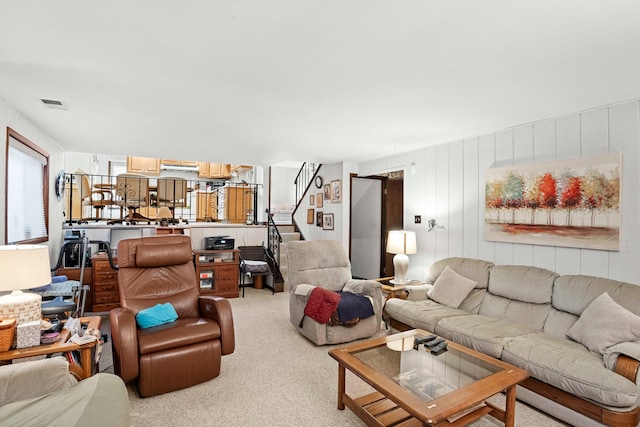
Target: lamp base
[[400, 267]]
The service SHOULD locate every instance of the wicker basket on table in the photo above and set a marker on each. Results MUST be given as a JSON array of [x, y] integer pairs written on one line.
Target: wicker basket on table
[[7, 333]]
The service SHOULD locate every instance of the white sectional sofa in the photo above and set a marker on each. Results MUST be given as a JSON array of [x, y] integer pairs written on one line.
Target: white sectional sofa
[[542, 322]]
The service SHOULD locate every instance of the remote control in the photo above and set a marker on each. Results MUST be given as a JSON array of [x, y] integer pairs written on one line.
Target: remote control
[[434, 343], [439, 349], [422, 340]]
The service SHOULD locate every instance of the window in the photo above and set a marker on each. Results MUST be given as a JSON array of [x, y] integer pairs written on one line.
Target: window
[[27, 189]]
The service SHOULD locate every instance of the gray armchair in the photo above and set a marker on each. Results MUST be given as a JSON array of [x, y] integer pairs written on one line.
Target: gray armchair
[[324, 263]]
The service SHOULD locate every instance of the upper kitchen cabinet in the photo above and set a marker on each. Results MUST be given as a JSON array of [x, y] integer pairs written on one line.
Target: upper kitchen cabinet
[[214, 170], [143, 165]]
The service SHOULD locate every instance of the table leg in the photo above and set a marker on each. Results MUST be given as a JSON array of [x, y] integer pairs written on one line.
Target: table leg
[[86, 361], [341, 386], [510, 407]]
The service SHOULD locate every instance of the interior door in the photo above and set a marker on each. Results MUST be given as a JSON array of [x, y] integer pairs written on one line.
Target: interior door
[[366, 226]]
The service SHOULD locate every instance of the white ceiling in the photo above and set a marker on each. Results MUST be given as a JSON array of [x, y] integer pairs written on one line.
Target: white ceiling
[[259, 82]]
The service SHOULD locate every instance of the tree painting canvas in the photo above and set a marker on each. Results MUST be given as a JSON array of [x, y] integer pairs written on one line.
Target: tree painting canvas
[[571, 203]]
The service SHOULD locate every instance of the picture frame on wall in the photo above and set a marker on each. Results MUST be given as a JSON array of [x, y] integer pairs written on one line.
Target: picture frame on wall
[[312, 200], [336, 191], [327, 221], [319, 219], [310, 216], [319, 200], [327, 192]]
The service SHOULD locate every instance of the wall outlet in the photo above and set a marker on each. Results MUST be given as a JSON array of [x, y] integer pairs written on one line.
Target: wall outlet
[[417, 219]]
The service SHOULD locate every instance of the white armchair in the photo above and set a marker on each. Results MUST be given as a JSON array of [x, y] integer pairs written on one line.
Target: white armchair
[[324, 263]]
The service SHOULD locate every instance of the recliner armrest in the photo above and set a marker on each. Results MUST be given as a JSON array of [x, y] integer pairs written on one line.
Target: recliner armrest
[[366, 287], [219, 309], [124, 340]]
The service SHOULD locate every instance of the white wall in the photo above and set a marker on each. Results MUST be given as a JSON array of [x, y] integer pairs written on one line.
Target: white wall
[[328, 172], [283, 188], [448, 185], [10, 117]]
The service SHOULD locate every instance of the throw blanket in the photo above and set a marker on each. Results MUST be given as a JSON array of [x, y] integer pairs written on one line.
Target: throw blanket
[[353, 306], [337, 308]]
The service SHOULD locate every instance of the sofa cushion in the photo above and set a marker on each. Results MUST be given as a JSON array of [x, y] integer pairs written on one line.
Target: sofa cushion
[[173, 335], [423, 314], [605, 323], [450, 288], [481, 333], [474, 269], [569, 366], [522, 283]]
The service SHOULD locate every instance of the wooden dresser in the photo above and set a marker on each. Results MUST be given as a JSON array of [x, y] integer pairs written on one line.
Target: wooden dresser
[[104, 291], [218, 272]]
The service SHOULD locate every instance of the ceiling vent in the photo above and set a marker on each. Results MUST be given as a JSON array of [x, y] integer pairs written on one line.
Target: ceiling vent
[[55, 104]]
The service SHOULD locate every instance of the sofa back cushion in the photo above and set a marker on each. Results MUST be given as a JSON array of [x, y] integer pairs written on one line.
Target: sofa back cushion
[[474, 269], [573, 293], [521, 294]]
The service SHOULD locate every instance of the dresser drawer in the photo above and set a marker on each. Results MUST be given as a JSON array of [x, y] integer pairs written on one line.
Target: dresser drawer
[[106, 297], [104, 307], [102, 267], [105, 287], [111, 277]]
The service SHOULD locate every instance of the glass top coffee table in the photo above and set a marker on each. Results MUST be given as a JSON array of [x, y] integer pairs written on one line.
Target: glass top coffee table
[[415, 388]]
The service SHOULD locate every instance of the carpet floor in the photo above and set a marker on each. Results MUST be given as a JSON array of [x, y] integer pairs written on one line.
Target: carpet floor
[[275, 377]]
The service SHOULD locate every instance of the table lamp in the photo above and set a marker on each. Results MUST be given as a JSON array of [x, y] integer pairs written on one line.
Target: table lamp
[[23, 267], [401, 243]]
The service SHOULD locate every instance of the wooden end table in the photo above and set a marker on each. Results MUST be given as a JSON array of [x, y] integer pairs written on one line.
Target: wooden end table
[[62, 345], [414, 387]]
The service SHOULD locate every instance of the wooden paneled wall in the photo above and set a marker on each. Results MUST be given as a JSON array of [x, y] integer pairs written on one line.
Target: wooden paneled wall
[[446, 182]]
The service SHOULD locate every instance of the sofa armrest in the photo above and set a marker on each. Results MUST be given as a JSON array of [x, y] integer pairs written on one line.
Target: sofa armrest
[[124, 341], [623, 358], [35, 378], [219, 309], [417, 292]]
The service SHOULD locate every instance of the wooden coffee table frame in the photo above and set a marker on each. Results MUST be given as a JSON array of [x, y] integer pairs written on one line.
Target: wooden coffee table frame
[[62, 345], [393, 405]]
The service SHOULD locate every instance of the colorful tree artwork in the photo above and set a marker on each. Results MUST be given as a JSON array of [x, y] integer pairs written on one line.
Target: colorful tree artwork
[[567, 203]]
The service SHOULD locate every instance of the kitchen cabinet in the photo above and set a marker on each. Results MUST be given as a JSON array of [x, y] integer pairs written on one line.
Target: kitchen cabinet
[[143, 165]]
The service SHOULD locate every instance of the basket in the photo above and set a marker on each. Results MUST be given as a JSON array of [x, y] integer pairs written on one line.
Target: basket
[[7, 333]]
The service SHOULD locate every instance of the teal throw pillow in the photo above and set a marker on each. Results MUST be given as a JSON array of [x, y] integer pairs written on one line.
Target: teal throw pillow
[[157, 315]]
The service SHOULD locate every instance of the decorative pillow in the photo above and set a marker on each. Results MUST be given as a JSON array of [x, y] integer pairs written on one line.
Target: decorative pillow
[[605, 323], [450, 288], [157, 315]]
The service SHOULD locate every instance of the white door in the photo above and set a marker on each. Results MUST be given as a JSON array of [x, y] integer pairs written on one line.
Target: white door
[[366, 225]]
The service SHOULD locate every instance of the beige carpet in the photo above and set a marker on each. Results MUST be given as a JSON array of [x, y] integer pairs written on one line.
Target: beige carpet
[[275, 377]]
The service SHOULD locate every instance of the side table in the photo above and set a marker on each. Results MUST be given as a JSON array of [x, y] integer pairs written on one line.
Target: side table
[[393, 291], [62, 345]]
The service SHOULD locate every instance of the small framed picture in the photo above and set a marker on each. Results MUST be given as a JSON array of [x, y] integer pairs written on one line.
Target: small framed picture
[[312, 200], [319, 200], [327, 192], [310, 216], [327, 221], [336, 191], [319, 218]]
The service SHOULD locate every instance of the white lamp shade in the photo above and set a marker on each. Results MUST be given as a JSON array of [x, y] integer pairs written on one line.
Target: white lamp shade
[[24, 267], [401, 242]]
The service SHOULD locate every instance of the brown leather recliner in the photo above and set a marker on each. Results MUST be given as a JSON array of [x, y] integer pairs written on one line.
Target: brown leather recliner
[[155, 270]]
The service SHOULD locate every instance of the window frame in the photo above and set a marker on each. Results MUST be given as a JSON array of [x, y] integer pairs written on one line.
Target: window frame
[[40, 152]]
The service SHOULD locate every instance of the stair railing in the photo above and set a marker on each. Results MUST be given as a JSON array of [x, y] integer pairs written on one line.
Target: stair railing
[[303, 179], [274, 240]]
